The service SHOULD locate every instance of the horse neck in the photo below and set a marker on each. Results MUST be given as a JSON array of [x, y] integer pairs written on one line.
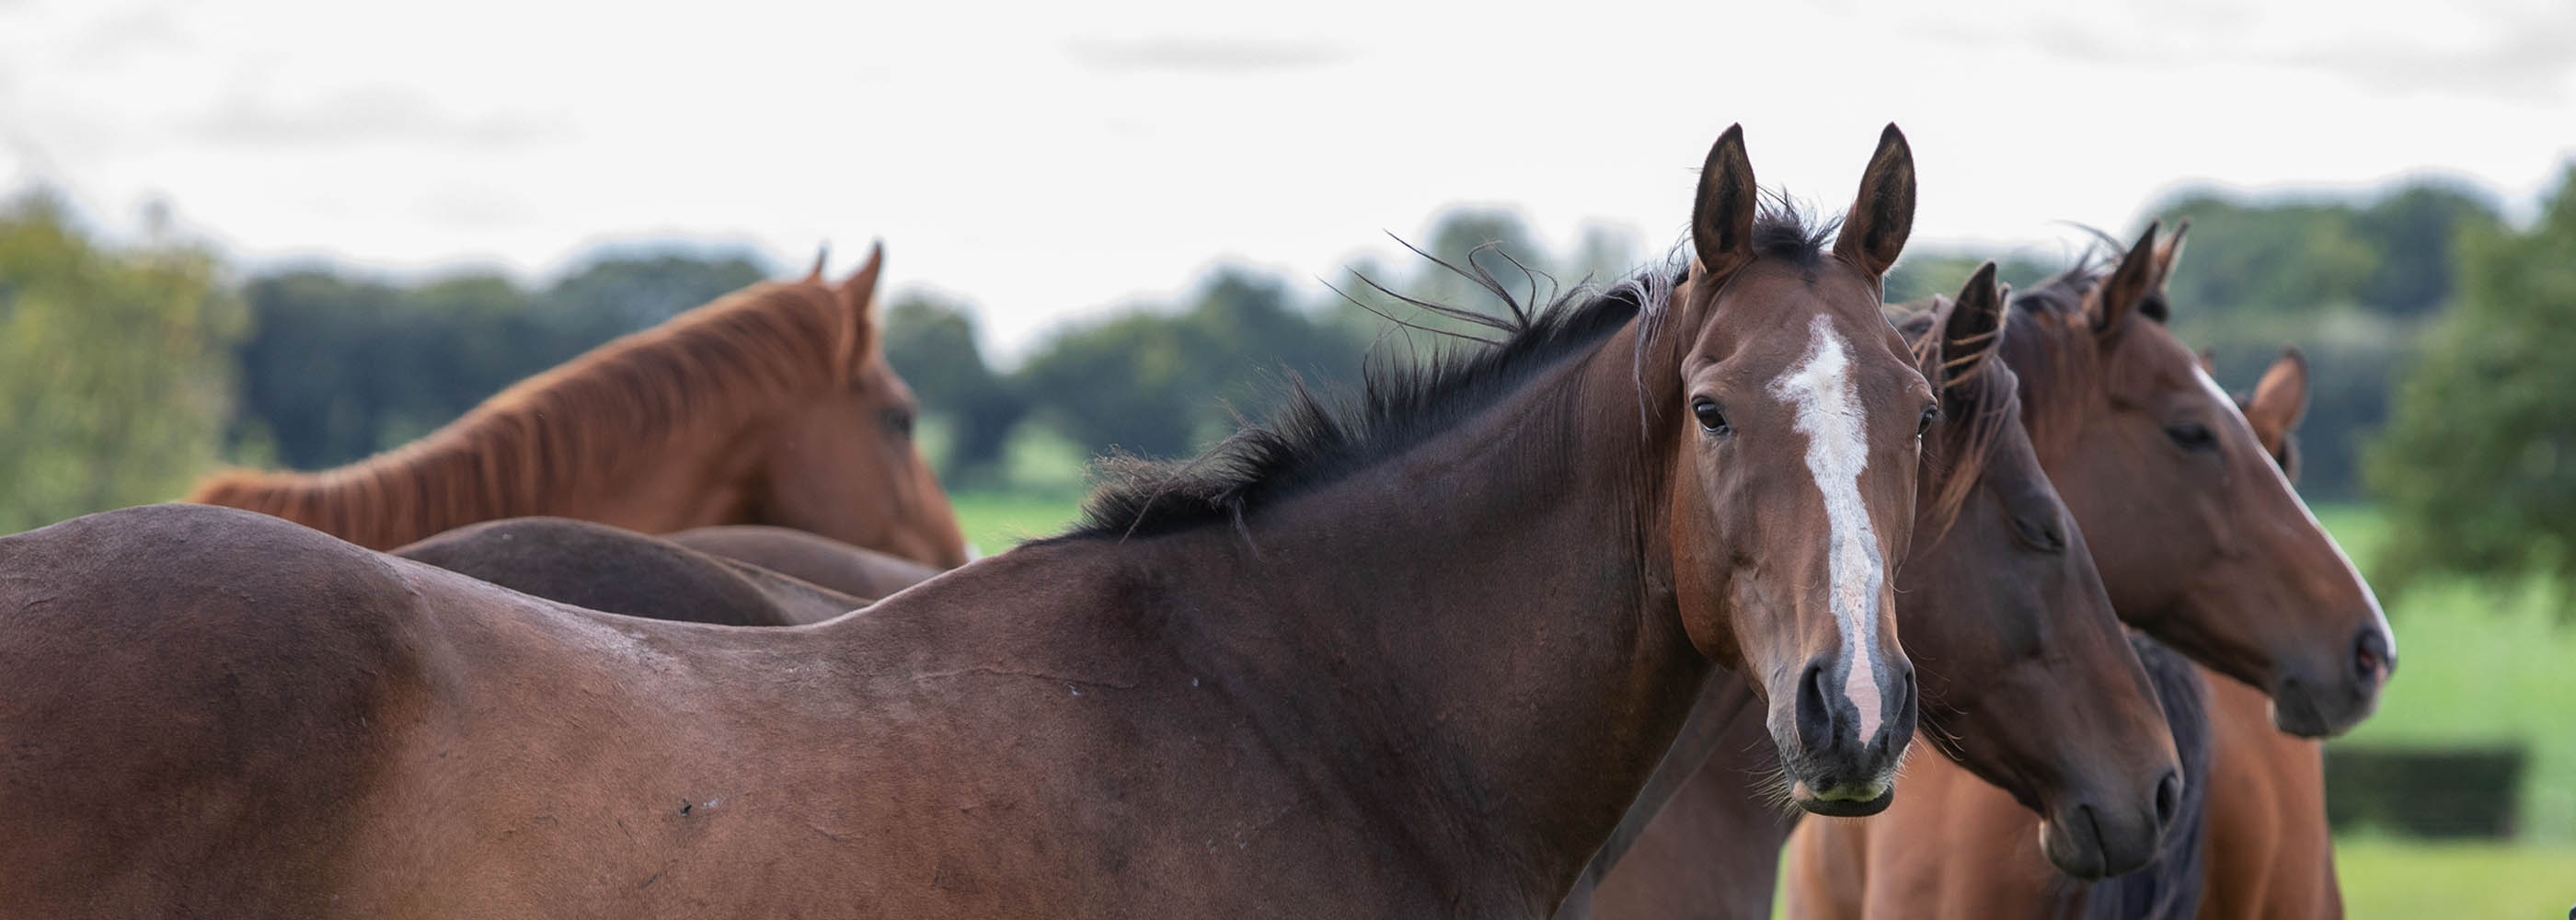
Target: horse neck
[[457, 476], [1477, 623]]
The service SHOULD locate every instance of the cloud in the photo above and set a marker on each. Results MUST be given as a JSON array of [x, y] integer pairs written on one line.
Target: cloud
[[362, 116], [1206, 54]]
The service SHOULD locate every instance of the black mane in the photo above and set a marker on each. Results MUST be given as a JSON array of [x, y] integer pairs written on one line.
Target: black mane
[[1315, 439]]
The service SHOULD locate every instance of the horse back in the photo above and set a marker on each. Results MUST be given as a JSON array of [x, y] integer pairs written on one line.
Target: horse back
[[195, 703]]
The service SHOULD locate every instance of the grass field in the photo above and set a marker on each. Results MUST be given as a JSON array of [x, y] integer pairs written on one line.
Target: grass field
[[996, 521], [2394, 878]]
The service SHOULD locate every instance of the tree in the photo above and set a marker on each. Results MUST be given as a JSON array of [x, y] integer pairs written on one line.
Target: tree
[[112, 370], [2479, 466], [932, 343], [339, 367]]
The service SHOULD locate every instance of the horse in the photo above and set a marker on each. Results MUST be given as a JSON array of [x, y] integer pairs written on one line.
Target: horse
[[2025, 673], [773, 405], [1405, 655], [2208, 547], [807, 557], [2263, 848], [2270, 851], [621, 571], [2201, 540]]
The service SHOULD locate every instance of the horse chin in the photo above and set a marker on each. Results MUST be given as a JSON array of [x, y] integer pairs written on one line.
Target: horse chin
[[2301, 710], [1845, 802], [2075, 851]]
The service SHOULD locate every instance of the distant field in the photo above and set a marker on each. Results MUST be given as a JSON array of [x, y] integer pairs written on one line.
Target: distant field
[[996, 521], [2481, 661], [2398, 879]]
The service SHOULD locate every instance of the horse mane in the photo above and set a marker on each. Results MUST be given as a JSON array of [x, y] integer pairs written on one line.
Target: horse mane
[[1989, 389], [2170, 887], [575, 429], [1315, 439], [2050, 343]]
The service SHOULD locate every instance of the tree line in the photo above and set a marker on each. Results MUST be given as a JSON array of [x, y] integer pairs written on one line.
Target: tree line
[[125, 371]]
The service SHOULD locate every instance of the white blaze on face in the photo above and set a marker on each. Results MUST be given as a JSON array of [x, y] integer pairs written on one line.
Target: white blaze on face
[[2228, 406], [1821, 392]]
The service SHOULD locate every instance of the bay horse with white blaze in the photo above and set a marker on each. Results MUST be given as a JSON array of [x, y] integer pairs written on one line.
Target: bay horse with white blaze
[[1410, 657], [2198, 537], [774, 405], [2026, 676]]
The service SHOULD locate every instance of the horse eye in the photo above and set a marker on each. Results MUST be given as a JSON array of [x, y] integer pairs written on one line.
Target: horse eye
[[2192, 436], [898, 421], [1931, 413], [1710, 420], [2039, 535]]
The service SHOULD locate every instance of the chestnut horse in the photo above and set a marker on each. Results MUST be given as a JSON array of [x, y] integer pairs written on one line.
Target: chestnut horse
[[774, 405], [2026, 675], [621, 571], [1408, 657], [2208, 546]]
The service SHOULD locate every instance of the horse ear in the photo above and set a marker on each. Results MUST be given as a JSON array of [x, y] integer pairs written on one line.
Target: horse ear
[[822, 254], [2279, 400], [2129, 285], [858, 297], [1875, 229], [2169, 252], [1974, 326], [1722, 215]]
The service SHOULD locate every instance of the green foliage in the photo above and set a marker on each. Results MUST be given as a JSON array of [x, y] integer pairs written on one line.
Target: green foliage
[[339, 368], [1919, 276], [932, 345], [1160, 384], [112, 370], [2479, 466]]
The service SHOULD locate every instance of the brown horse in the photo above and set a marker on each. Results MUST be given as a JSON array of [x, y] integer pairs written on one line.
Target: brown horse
[[2201, 541], [2185, 486], [1956, 847], [621, 571], [1409, 657], [771, 406], [2026, 676], [807, 557]]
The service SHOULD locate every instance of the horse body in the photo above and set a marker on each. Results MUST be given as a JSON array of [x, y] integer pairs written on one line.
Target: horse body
[[1242, 688], [620, 571], [435, 746], [807, 557]]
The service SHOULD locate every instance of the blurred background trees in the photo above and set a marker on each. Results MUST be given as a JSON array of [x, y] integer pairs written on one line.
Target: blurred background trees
[[113, 366], [2476, 468], [131, 370]]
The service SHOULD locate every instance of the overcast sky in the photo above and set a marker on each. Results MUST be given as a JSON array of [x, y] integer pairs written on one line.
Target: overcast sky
[[1054, 160]]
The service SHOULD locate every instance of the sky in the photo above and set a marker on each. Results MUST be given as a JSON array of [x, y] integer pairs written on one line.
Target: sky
[[1048, 162]]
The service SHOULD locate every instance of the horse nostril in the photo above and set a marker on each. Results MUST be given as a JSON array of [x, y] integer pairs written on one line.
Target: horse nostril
[[1815, 715], [2370, 662], [2168, 798]]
